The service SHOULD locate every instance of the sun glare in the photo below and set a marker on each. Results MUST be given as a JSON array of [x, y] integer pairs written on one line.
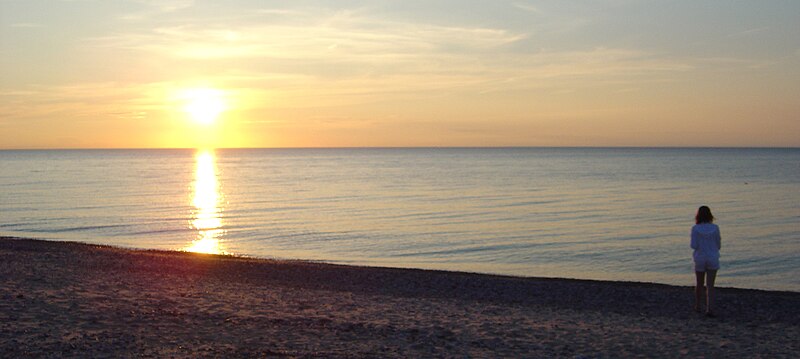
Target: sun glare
[[204, 105], [207, 217]]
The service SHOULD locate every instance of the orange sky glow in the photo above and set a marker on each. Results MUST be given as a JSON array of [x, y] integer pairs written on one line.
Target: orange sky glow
[[183, 73]]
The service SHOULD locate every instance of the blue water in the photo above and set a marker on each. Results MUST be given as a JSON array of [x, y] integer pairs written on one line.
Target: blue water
[[617, 214]]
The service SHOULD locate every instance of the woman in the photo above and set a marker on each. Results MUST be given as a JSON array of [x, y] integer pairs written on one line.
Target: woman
[[706, 242]]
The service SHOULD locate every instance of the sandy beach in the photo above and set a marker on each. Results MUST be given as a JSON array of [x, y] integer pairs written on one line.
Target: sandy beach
[[62, 299]]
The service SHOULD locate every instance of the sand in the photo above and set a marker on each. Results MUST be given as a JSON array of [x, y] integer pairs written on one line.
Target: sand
[[62, 299]]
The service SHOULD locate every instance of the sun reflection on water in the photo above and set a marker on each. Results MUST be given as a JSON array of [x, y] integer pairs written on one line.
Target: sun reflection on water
[[207, 218]]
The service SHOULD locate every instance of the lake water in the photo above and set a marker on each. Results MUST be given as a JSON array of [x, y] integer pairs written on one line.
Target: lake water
[[591, 213]]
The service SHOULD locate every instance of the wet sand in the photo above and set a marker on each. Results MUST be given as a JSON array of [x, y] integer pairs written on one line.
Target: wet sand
[[62, 299]]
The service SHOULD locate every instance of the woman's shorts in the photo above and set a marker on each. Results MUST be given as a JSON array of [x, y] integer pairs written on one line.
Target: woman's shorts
[[702, 264]]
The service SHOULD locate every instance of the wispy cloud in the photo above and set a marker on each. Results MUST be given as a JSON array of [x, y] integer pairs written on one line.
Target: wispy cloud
[[167, 5], [106, 100], [154, 8], [376, 53], [342, 31], [283, 12], [527, 7], [750, 31], [315, 45]]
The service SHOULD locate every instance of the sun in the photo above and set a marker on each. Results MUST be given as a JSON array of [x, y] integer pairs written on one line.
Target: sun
[[204, 105]]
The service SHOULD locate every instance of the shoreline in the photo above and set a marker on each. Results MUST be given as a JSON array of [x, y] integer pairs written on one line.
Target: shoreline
[[379, 266], [77, 299]]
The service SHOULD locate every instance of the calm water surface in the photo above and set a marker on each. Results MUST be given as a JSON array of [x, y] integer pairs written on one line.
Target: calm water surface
[[618, 214]]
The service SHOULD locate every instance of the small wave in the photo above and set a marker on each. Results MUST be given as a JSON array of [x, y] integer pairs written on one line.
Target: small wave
[[463, 250], [82, 228], [160, 231], [524, 204]]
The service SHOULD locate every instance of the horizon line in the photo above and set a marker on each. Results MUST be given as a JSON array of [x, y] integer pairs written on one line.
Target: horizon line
[[387, 147]]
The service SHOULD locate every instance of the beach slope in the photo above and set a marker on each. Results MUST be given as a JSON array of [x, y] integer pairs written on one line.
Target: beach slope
[[63, 299]]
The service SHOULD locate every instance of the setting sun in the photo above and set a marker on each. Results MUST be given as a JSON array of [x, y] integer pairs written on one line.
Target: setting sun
[[204, 105]]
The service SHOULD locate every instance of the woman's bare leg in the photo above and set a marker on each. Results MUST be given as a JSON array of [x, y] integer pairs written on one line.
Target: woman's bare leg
[[698, 289], [712, 277]]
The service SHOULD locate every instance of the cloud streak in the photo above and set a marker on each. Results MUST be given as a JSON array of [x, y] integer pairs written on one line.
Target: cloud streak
[[353, 56]]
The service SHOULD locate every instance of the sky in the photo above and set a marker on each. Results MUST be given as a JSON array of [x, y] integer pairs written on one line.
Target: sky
[[260, 73]]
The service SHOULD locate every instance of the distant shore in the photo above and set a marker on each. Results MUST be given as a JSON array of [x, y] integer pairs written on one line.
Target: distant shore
[[64, 299]]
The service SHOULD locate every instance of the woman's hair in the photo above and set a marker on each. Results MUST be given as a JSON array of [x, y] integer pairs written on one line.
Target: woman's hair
[[704, 215]]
